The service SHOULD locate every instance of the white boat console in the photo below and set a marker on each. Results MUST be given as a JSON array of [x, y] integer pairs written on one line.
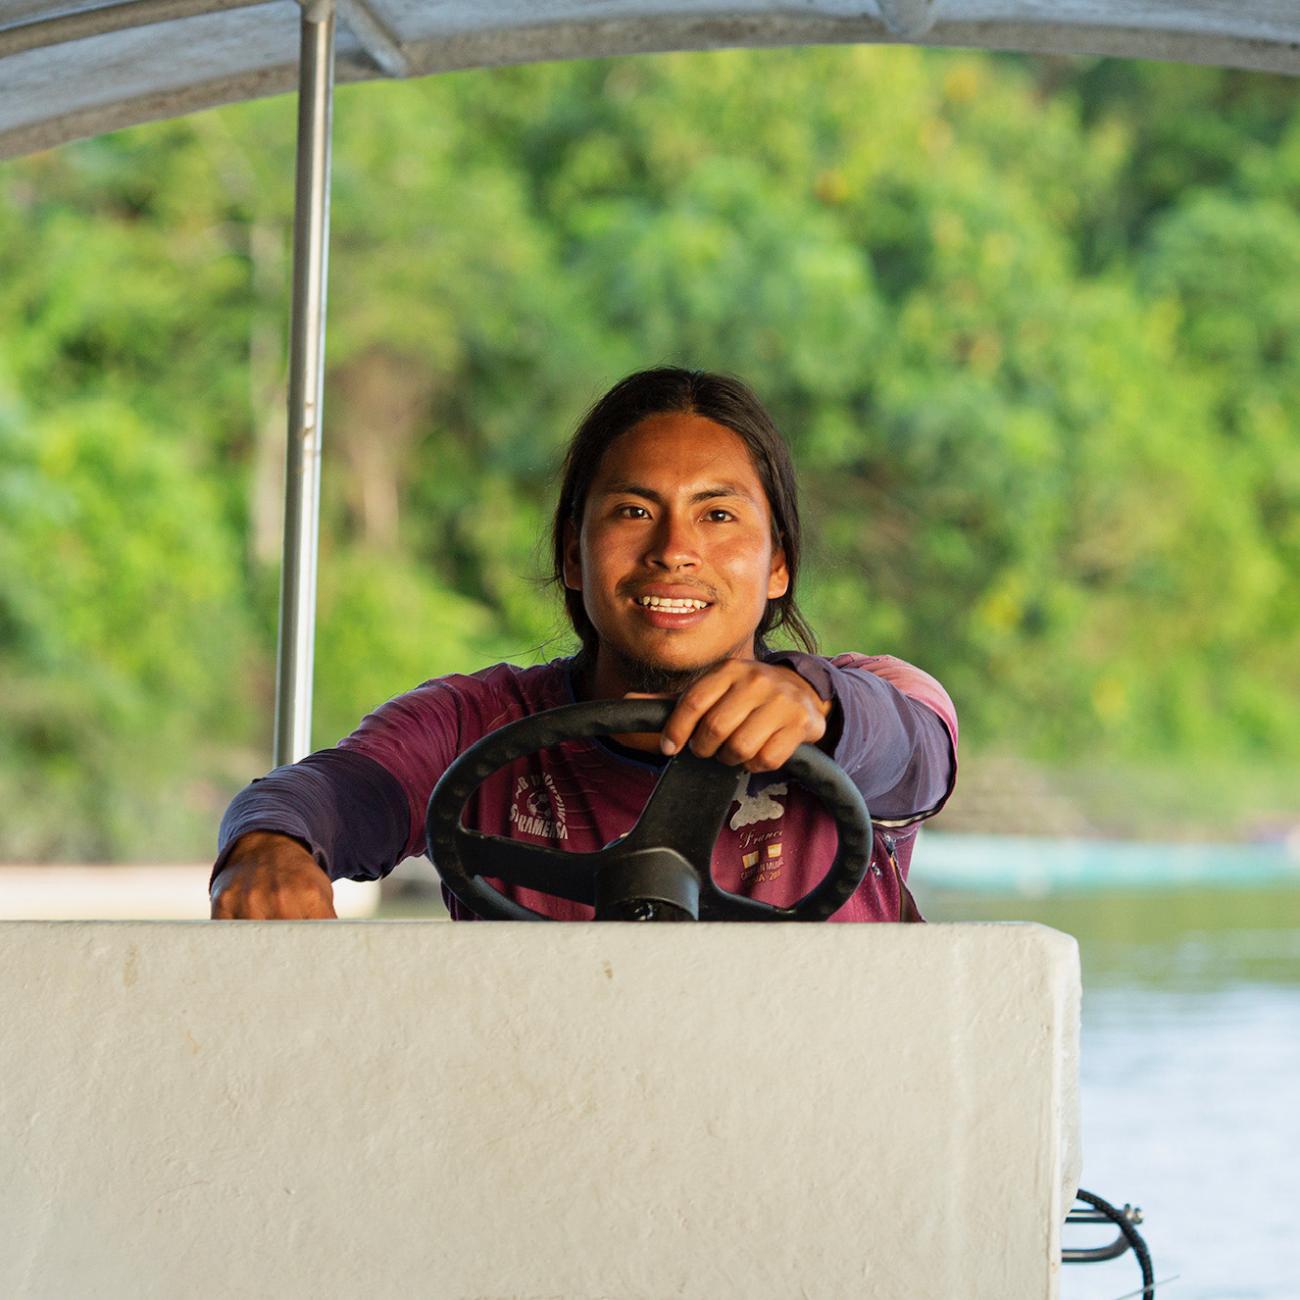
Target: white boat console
[[510, 1110]]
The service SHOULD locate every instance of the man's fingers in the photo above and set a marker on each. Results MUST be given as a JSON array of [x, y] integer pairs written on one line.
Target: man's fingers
[[253, 895], [767, 734], [746, 713], [235, 904], [729, 715], [277, 906], [321, 908], [777, 751], [693, 705]]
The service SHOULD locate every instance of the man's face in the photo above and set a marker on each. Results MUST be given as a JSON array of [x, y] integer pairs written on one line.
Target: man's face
[[674, 557]]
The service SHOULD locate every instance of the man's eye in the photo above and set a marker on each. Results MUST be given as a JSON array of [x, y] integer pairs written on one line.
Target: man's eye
[[633, 512], [719, 516]]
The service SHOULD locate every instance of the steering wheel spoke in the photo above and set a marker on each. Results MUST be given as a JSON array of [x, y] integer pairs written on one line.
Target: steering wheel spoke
[[686, 808], [532, 866]]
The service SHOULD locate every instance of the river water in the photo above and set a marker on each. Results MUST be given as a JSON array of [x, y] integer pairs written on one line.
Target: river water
[[1190, 1077]]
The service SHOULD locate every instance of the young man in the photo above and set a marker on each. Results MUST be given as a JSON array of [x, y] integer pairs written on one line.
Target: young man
[[676, 538]]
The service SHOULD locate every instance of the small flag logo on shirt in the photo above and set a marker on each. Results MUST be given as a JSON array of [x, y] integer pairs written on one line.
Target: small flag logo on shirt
[[762, 864]]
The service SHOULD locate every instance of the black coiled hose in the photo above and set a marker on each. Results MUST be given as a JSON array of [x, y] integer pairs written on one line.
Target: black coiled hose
[[1131, 1235]]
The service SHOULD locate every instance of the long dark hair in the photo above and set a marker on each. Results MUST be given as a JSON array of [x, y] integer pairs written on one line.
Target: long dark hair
[[724, 400]]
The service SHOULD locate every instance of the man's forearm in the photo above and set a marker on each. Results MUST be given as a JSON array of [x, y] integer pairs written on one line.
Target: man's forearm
[[346, 810]]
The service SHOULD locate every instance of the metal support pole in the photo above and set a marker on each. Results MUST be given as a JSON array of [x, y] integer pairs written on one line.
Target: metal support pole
[[306, 385]]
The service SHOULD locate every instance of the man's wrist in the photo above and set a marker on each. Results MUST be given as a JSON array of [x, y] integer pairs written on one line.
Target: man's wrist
[[818, 702], [818, 676], [809, 668]]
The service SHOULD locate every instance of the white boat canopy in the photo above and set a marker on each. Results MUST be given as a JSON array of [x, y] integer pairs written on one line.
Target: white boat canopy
[[71, 68]]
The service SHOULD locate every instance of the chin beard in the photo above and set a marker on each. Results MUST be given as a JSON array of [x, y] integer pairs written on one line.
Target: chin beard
[[656, 679]]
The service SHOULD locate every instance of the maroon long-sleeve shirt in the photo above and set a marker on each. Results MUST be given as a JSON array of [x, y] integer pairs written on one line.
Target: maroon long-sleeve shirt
[[360, 807]]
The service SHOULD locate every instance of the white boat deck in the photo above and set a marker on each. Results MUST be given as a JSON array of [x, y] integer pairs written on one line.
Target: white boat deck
[[134, 893]]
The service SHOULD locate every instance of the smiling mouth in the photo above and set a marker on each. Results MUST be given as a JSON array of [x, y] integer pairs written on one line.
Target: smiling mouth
[[671, 613], [672, 604]]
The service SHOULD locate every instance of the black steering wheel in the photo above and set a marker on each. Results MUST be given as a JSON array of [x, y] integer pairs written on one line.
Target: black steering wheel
[[659, 870]]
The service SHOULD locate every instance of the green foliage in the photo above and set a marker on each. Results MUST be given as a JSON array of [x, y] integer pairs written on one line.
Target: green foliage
[[121, 627], [1031, 328], [378, 618]]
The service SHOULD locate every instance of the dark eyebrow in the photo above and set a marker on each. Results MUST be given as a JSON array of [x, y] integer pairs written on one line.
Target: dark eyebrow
[[704, 494]]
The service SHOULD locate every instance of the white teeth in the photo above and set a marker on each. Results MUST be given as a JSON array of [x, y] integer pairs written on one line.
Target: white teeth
[[672, 604]]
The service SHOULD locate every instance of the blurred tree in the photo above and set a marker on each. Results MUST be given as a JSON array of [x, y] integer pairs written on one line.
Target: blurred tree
[[1029, 324], [122, 631]]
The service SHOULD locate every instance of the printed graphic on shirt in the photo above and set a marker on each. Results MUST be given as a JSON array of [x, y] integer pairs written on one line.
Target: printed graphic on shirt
[[760, 806], [537, 808], [760, 849]]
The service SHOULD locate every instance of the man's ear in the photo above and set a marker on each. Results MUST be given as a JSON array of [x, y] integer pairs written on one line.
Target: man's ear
[[778, 582], [572, 558]]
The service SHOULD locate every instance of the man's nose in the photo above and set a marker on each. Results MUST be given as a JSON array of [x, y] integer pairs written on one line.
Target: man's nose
[[673, 544]]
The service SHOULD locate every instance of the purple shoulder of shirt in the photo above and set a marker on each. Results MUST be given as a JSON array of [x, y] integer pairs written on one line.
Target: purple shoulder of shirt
[[359, 807]]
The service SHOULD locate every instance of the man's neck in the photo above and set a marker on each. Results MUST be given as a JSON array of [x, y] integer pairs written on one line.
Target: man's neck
[[613, 675]]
